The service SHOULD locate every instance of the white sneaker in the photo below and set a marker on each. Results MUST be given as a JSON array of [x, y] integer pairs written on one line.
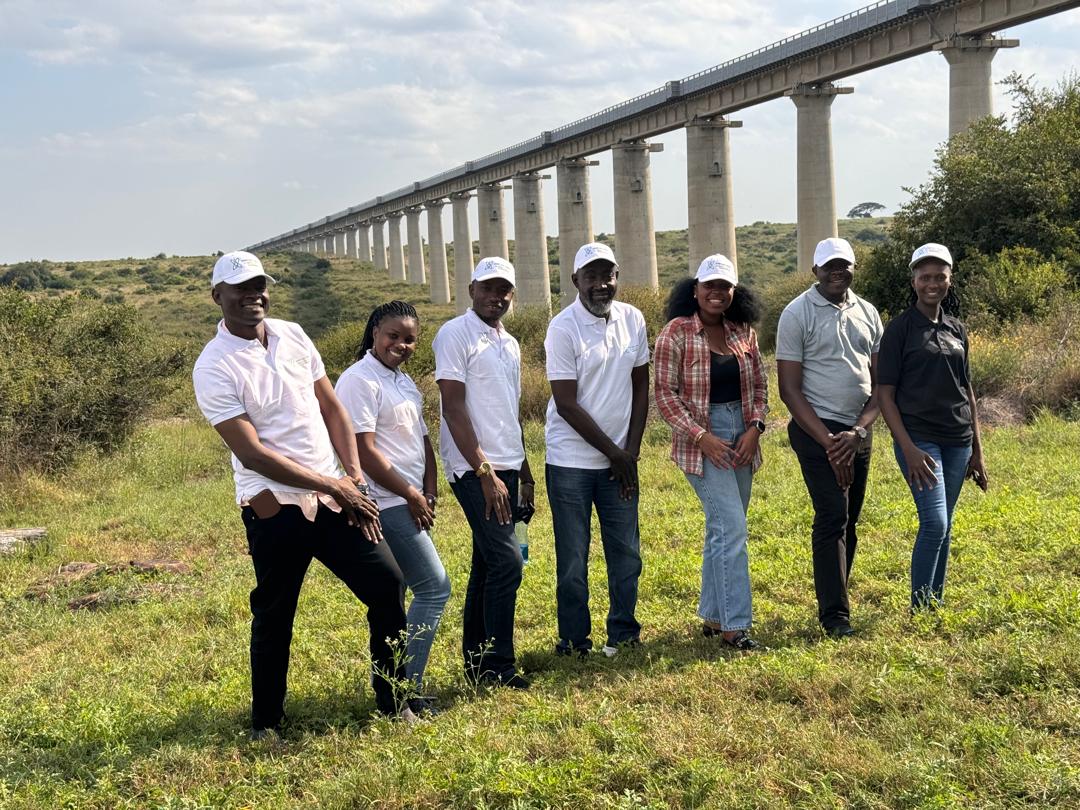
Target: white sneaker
[[610, 652]]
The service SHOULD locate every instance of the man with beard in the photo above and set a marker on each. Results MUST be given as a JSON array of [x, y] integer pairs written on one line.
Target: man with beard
[[598, 365], [478, 371], [827, 344]]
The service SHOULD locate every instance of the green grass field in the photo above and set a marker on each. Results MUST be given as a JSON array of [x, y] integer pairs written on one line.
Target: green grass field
[[144, 702]]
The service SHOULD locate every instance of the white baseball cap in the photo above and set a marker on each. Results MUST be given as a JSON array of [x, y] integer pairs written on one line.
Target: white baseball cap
[[494, 267], [591, 253], [931, 250], [833, 248], [717, 268], [236, 268]]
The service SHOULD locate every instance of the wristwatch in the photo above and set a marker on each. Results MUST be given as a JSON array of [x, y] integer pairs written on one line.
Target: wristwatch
[[759, 424], [485, 468], [860, 432]]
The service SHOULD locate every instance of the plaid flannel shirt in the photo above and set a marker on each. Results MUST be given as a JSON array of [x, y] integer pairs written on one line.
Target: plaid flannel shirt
[[682, 364]]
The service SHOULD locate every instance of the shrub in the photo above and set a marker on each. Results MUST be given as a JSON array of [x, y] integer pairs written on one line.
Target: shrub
[[75, 373], [322, 264], [1015, 282], [28, 276]]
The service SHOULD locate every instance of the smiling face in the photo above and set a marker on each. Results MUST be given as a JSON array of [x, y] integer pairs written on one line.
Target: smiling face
[[597, 283], [394, 340], [834, 278], [244, 305], [931, 279], [713, 298], [491, 298]]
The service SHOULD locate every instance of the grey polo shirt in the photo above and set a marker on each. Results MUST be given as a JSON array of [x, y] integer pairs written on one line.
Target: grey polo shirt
[[833, 342]]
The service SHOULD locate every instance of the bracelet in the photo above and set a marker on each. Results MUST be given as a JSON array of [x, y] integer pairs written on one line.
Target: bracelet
[[431, 498], [699, 437]]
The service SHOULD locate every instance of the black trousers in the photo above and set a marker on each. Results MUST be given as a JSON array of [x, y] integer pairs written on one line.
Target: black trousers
[[282, 548], [487, 639], [836, 513]]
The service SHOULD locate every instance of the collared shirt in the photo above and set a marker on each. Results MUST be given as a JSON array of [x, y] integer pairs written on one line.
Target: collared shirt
[[682, 364], [600, 354], [387, 403], [833, 342], [488, 361], [275, 387], [928, 364]]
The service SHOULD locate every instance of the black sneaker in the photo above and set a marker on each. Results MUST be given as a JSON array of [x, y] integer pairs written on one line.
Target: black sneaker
[[511, 679], [839, 631], [266, 734], [580, 650], [741, 641], [423, 706]]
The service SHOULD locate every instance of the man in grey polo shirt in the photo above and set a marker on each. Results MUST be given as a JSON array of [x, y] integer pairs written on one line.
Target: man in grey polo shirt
[[826, 355]]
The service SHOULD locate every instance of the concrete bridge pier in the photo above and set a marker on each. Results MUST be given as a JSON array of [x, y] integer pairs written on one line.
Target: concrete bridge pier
[[492, 220], [337, 238], [971, 87], [710, 193], [416, 274], [464, 261], [364, 248], [816, 193], [379, 239], [327, 245], [350, 242], [575, 218], [440, 278], [397, 254], [635, 237], [530, 242]]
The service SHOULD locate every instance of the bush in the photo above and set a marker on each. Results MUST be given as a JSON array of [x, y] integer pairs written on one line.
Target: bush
[[1017, 281], [29, 276], [75, 373]]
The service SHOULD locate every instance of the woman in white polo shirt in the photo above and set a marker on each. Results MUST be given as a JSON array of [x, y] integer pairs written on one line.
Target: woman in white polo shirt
[[397, 456]]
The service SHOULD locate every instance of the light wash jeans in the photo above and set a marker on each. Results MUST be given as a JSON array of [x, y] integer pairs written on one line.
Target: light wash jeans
[[427, 579], [725, 496], [930, 556]]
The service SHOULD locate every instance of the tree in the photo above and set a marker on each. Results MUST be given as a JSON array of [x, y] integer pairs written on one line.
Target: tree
[[998, 185], [865, 209]]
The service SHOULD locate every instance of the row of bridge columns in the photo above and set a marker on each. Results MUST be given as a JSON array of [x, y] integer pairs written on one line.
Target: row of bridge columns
[[710, 192]]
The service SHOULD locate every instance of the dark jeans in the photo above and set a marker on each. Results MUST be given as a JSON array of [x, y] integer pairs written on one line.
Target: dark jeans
[[836, 512], [572, 492], [487, 641], [281, 549]]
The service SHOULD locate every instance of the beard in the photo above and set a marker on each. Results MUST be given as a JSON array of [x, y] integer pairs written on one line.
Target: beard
[[599, 308]]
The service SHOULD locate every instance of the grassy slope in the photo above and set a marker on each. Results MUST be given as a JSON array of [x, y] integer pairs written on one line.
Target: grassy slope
[[146, 704], [174, 291]]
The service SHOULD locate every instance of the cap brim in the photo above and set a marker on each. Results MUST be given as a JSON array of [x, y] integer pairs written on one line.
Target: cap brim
[[718, 277], [490, 276], [247, 276], [843, 256]]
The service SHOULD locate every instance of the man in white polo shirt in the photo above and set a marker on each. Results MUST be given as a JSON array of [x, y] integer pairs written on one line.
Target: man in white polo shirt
[[827, 344], [598, 366], [478, 370], [261, 384]]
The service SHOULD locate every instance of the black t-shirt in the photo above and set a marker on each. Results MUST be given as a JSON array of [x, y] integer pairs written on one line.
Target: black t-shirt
[[928, 364], [725, 385]]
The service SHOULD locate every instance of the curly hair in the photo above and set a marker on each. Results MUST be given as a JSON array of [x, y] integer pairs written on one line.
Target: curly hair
[[392, 309], [746, 307]]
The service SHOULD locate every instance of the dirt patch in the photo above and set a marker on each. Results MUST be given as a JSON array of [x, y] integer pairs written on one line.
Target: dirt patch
[[1001, 411]]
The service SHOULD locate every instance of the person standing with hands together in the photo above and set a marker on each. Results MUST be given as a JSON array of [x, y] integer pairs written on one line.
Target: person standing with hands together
[[924, 387], [827, 344], [262, 385], [478, 371]]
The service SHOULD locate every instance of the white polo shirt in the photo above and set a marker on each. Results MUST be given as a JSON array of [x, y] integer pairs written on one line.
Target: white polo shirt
[[600, 355], [488, 362], [387, 403], [275, 387]]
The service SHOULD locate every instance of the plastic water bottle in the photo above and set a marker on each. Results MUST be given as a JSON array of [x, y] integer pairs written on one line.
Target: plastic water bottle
[[521, 531]]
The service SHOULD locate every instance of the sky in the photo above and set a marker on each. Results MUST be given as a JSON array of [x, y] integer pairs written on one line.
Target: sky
[[131, 128]]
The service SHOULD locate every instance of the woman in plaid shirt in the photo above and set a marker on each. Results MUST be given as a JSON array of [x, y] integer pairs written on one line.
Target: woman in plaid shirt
[[711, 388]]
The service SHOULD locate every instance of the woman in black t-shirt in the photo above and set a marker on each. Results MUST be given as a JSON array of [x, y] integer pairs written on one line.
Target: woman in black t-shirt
[[925, 394]]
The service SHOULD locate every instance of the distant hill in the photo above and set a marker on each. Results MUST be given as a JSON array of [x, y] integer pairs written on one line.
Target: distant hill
[[174, 291]]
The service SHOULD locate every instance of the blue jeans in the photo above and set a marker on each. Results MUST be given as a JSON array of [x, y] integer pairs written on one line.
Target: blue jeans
[[935, 506], [725, 496], [425, 577], [487, 631], [572, 492]]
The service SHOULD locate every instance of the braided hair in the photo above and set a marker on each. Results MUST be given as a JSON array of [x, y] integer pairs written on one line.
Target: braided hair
[[392, 309], [950, 304]]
